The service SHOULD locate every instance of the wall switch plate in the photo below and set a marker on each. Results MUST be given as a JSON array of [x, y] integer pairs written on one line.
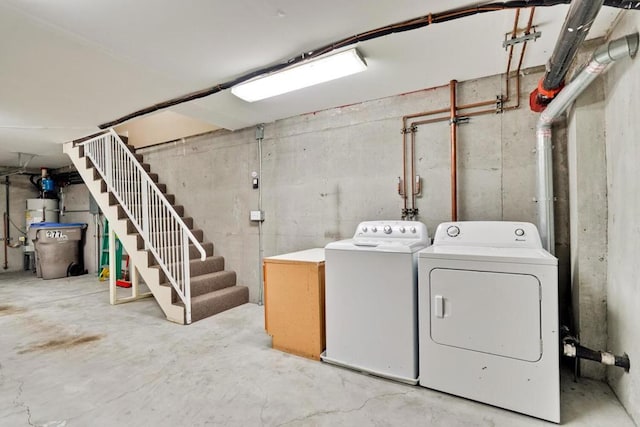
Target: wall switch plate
[[257, 216]]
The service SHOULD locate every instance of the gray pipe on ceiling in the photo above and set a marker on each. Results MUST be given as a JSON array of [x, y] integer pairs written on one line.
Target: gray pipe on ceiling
[[576, 26]]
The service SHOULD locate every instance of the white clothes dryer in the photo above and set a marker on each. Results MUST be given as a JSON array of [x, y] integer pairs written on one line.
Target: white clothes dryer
[[371, 304], [488, 317]]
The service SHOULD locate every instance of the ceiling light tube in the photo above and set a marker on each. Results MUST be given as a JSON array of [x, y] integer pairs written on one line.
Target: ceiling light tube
[[304, 75]]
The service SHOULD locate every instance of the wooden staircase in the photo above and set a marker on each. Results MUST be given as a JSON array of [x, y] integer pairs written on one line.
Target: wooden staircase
[[212, 288]]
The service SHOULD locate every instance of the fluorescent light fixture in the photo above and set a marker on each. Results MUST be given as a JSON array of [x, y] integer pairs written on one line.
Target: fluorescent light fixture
[[307, 74]]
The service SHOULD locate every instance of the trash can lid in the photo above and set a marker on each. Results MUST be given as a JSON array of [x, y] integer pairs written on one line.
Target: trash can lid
[[57, 224]]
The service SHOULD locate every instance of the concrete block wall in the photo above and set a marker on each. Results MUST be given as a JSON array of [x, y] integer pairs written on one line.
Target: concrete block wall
[[325, 172], [622, 103]]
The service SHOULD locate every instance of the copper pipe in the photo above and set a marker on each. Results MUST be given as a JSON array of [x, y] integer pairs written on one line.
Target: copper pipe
[[424, 113], [404, 164], [428, 121], [480, 113], [413, 168], [522, 51], [453, 110], [454, 152], [517, 104], [508, 78], [524, 46], [476, 104], [513, 36]]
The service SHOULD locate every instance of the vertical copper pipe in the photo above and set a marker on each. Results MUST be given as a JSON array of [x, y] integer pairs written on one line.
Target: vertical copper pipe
[[513, 35], [454, 152], [404, 164], [524, 45], [413, 170]]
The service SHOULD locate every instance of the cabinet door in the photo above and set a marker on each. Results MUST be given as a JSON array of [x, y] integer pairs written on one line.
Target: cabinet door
[[488, 312]]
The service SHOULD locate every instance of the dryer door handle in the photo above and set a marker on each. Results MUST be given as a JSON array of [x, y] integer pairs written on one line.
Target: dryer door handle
[[438, 306]]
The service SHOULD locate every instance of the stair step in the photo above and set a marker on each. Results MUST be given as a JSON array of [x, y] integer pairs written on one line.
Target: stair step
[[193, 253], [216, 302], [211, 282], [211, 264], [188, 222], [197, 268]]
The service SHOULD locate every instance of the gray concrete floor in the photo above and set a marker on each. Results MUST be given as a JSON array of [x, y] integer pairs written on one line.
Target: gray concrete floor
[[68, 358]]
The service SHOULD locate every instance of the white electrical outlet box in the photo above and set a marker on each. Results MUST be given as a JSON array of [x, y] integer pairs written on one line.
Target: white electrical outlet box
[[257, 216]]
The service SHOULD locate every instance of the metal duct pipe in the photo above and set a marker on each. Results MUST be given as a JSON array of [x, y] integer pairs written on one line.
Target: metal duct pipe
[[576, 26], [603, 56]]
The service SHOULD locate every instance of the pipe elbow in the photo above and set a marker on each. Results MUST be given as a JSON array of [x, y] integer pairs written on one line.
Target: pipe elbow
[[544, 123], [616, 49]]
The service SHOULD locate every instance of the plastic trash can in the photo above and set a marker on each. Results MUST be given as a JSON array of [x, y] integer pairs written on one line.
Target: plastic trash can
[[58, 249]]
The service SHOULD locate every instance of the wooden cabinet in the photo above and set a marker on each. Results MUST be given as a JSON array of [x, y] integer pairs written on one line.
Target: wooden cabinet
[[294, 302]]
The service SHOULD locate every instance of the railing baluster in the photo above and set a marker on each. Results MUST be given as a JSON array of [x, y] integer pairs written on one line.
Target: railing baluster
[[186, 280]]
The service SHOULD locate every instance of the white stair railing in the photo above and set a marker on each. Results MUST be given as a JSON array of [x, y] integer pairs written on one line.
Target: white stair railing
[[165, 234]]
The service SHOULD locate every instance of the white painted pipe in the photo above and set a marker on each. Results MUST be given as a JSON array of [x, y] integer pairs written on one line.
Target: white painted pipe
[[259, 138], [602, 57]]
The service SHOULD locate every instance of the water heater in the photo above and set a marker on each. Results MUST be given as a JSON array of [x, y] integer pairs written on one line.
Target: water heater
[[40, 210]]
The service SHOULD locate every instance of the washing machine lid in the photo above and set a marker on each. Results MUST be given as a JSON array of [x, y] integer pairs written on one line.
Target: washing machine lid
[[386, 236], [372, 245], [488, 254]]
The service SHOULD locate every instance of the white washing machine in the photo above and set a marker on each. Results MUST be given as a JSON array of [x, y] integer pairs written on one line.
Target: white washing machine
[[488, 317], [371, 304]]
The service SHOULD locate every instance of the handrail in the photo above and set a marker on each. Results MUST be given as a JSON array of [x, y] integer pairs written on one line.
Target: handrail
[[165, 234]]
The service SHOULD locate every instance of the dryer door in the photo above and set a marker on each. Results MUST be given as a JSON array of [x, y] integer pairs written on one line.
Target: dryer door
[[489, 312]]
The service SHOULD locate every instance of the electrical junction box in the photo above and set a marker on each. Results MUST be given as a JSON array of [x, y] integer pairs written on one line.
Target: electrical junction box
[[257, 216]]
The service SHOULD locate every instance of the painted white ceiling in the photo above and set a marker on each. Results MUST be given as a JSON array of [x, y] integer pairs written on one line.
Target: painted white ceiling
[[67, 66]]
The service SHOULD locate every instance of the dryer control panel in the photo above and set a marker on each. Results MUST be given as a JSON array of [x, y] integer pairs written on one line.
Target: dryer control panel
[[499, 234]]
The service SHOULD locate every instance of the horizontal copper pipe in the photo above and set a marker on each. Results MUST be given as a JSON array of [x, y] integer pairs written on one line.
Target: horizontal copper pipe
[[425, 113], [428, 121], [476, 105]]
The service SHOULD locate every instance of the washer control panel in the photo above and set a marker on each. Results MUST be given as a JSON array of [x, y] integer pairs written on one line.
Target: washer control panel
[[402, 232], [488, 234]]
